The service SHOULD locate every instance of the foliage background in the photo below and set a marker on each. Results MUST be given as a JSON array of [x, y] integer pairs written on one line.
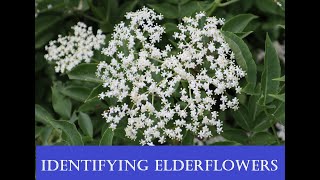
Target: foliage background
[[63, 114]]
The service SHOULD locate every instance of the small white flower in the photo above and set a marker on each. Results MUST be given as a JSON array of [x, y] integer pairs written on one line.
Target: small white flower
[[69, 51], [147, 75]]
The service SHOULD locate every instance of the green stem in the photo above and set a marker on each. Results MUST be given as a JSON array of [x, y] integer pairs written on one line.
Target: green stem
[[273, 120], [214, 6], [227, 3]]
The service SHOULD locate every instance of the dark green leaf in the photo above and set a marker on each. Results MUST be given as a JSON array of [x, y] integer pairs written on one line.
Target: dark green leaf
[[127, 7], [170, 28], [85, 124], [45, 134], [95, 92], [280, 97], [188, 138], [243, 34], [43, 39], [42, 23], [242, 119], [271, 71], [41, 114], [244, 59], [107, 137], [269, 6], [192, 7], [263, 138], [79, 93], [237, 23], [85, 72], [93, 105], [236, 135], [73, 136], [166, 9], [224, 143], [61, 104]]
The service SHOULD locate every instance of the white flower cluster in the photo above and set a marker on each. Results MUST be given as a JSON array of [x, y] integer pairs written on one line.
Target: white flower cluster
[[171, 92], [69, 51], [281, 131]]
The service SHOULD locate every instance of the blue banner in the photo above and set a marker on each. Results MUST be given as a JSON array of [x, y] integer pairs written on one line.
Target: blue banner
[[160, 162]]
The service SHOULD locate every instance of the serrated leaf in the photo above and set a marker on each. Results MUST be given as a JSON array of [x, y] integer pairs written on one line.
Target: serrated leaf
[[238, 23], [107, 137], [79, 93], [61, 104], [85, 72], [271, 71], [85, 124], [244, 59]]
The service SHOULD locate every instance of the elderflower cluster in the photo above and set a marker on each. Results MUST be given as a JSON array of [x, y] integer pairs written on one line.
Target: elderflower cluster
[[163, 93], [69, 51]]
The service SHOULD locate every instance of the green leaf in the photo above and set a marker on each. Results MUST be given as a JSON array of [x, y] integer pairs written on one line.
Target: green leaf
[[244, 59], [282, 79], [280, 97], [282, 26], [271, 71], [269, 6], [170, 28], [127, 7], [43, 39], [79, 93], [236, 135], [167, 10], [41, 114], [225, 143], [192, 7], [242, 119], [74, 117], [177, 1], [95, 92], [85, 72], [243, 34], [85, 124], [107, 137], [237, 23], [253, 108], [93, 105], [61, 104], [43, 23], [188, 138], [72, 134], [45, 134], [262, 138]]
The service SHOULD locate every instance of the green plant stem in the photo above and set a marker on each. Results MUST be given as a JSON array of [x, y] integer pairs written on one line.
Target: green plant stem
[[272, 127], [227, 3], [214, 6]]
